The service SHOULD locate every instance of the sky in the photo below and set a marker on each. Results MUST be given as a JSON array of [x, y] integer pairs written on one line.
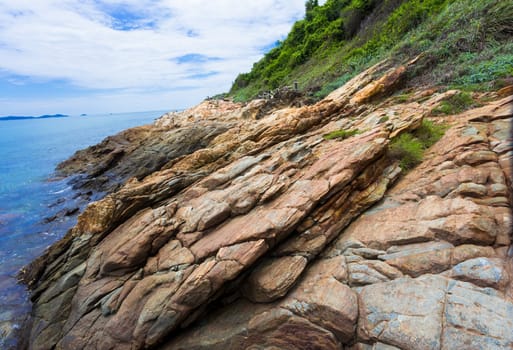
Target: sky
[[108, 56]]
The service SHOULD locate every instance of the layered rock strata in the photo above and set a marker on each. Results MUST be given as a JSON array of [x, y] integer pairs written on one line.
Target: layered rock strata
[[261, 235]]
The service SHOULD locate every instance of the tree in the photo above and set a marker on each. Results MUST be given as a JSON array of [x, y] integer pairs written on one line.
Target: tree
[[310, 5]]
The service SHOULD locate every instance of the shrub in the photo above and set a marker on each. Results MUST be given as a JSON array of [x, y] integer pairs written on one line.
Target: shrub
[[480, 71], [498, 21], [429, 133], [409, 148], [466, 44], [454, 104]]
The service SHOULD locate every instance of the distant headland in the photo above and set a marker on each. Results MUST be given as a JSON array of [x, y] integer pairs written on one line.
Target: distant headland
[[46, 116]]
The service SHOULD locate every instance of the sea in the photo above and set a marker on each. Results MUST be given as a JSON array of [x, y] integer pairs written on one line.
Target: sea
[[30, 150]]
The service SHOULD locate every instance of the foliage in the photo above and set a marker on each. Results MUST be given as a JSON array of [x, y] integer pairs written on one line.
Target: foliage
[[466, 43], [333, 85], [221, 96], [429, 133], [383, 119], [409, 148], [322, 30], [402, 98], [341, 134], [455, 104], [480, 71]]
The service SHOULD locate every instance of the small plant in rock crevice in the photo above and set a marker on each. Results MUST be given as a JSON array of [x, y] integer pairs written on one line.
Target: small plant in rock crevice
[[455, 104], [341, 134], [408, 148], [383, 119]]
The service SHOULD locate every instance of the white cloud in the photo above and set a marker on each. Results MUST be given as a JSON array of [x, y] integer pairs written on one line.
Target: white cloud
[[82, 42]]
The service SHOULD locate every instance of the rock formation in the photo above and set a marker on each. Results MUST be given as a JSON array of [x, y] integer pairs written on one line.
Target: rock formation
[[227, 228]]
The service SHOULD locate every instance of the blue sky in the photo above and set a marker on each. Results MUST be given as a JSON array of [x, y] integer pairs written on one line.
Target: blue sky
[[100, 56]]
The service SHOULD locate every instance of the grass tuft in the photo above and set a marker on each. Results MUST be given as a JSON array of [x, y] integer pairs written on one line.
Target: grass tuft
[[341, 134], [409, 148], [455, 104]]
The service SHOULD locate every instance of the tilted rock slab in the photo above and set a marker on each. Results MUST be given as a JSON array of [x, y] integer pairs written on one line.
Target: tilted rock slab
[[433, 312], [429, 266]]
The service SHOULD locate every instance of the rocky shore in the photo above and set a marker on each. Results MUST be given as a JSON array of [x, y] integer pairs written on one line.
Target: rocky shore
[[231, 226]]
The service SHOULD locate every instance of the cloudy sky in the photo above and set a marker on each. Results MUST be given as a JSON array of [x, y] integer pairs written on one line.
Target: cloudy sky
[[99, 56]]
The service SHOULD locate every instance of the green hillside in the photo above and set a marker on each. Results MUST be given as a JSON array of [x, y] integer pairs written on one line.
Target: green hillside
[[465, 43]]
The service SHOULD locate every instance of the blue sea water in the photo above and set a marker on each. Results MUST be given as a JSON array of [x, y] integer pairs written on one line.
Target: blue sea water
[[29, 152]]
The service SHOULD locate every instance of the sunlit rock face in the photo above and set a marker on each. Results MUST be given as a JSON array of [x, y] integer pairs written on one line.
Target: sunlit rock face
[[222, 230]]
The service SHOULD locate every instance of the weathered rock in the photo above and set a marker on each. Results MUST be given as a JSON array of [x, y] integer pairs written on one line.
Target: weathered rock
[[433, 312], [379, 86], [415, 248], [405, 313], [476, 318], [482, 272], [374, 267], [505, 91], [468, 251], [366, 252], [374, 346], [418, 264], [138, 152], [327, 303], [321, 304], [283, 330], [456, 220], [272, 280], [360, 275], [256, 233]]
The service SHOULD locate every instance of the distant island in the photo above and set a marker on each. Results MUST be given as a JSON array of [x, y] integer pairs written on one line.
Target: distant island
[[46, 116]]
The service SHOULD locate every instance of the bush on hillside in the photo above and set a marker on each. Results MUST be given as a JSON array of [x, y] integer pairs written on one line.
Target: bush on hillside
[[466, 44], [455, 104]]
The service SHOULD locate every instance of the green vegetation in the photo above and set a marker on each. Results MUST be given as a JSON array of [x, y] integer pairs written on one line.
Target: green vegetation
[[402, 98], [455, 104], [409, 148], [341, 134], [429, 133], [383, 119], [465, 43]]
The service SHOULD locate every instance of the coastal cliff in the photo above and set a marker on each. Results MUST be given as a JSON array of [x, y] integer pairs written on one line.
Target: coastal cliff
[[289, 226]]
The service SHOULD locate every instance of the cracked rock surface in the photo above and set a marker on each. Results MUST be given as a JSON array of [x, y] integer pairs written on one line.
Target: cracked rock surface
[[221, 231]]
